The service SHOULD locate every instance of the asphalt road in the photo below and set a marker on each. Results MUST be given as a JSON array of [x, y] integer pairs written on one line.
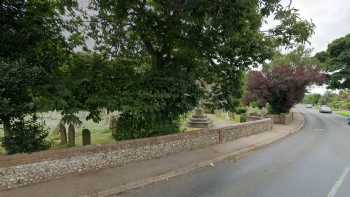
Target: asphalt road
[[312, 163]]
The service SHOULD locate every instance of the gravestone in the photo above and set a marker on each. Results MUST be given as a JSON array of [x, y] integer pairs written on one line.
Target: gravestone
[[71, 135], [86, 137], [113, 125], [231, 115], [63, 133], [200, 120]]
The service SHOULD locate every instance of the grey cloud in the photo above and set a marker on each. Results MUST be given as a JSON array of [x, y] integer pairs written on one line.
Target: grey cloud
[[331, 17]]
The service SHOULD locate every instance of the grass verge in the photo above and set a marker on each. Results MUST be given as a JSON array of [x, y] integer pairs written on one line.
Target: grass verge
[[343, 113]]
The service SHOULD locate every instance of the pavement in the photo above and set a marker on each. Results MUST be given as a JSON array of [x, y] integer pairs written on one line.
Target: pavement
[[154, 176], [314, 162]]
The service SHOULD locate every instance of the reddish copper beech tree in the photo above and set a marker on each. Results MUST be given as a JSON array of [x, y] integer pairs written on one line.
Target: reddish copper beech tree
[[281, 87]]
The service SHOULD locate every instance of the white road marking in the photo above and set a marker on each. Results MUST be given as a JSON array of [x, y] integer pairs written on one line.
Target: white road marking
[[338, 183]]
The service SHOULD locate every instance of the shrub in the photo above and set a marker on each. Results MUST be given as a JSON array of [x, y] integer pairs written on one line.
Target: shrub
[[254, 104], [312, 99], [133, 126], [241, 110], [336, 104], [281, 87], [26, 136], [243, 118]]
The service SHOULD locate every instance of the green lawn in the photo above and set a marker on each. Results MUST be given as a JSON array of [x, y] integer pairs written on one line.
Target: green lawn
[[221, 119], [98, 136], [343, 113]]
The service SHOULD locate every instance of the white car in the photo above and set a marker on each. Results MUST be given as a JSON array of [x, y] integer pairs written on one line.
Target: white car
[[325, 109]]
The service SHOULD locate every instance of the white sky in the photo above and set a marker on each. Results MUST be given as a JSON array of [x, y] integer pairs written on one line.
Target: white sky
[[331, 17], [332, 20]]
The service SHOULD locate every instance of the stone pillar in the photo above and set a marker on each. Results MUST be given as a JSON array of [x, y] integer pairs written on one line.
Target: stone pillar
[[86, 137], [199, 120], [71, 135], [231, 115], [63, 133]]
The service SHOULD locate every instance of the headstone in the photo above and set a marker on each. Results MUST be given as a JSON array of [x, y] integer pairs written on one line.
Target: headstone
[[71, 135], [199, 120], [113, 125], [231, 115], [86, 137], [63, 133], [7, 130]]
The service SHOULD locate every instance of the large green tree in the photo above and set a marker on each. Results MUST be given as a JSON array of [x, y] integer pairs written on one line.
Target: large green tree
[[336, 61], [33, 30], [36, 38], [312, 99], [179, 49]]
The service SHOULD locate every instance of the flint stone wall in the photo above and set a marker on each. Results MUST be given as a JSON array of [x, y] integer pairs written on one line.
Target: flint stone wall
[[23, 169], [245, 129], [281, 118]]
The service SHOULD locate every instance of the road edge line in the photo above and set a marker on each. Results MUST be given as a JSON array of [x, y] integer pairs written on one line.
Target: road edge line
[[338, 182]]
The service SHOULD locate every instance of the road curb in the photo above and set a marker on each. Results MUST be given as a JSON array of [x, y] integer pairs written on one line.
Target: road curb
[[185, 170]]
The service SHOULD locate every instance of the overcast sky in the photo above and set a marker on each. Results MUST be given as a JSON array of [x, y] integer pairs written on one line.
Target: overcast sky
[[331, 17], [332, 20]]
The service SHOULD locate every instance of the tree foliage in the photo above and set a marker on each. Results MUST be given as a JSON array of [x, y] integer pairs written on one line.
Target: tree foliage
[[336, 100], [26, 136], [312, 99], [32, 48], [327, 98], [336, 61], [153, 61], [182, 50], [33, 30], [281, 87], [299, 56], [16, 90], [82, 84]]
